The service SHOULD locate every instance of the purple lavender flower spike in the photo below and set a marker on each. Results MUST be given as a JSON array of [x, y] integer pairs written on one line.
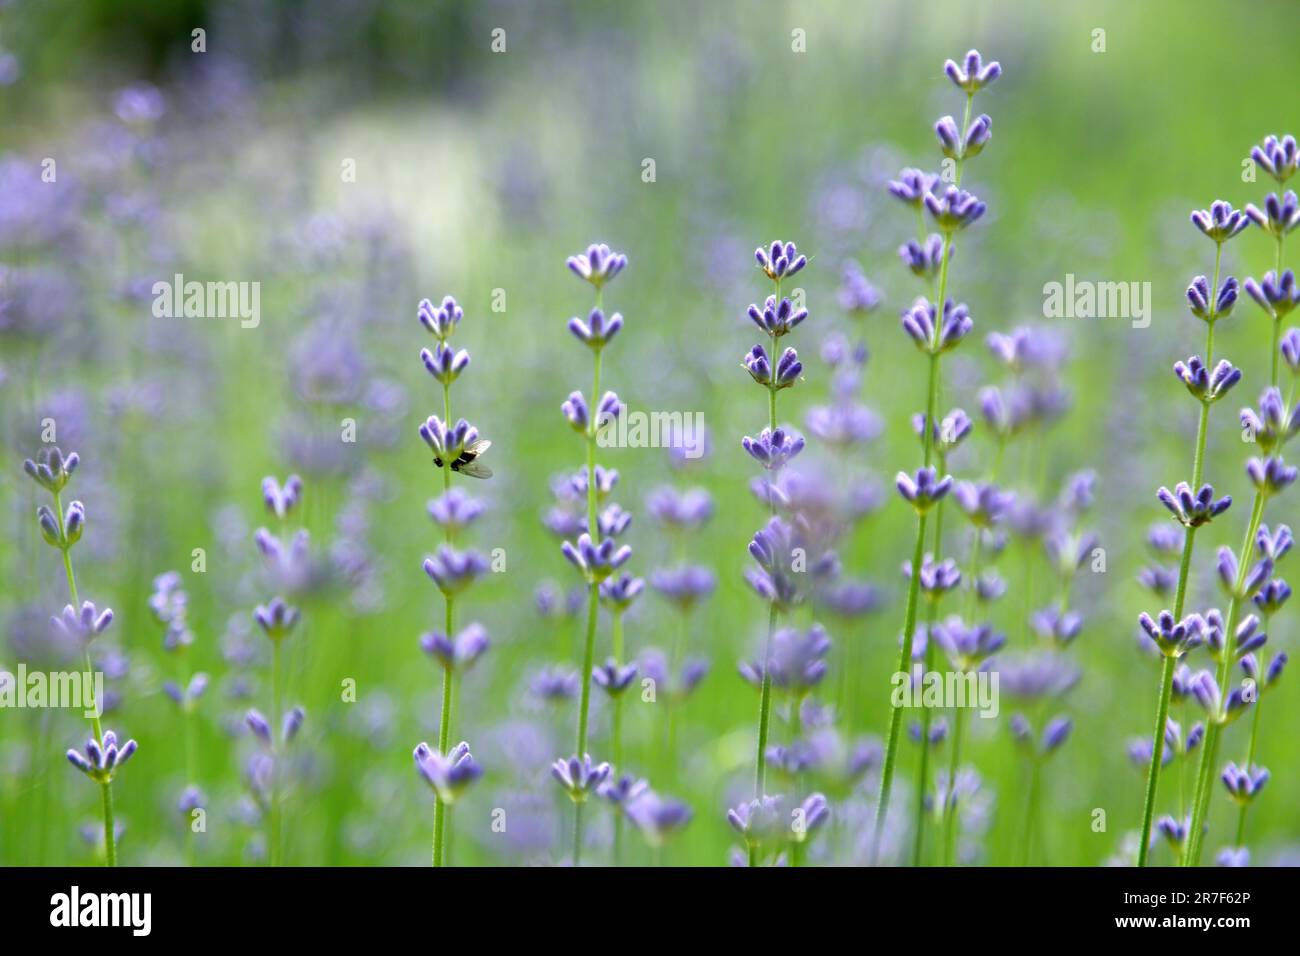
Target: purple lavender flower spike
[[798, 660], [1279, 216], [772, 548], [458, 653], [967, 646], [1220, 222], [443, 363], [788, 368], [580, 777], [913, 185], [688, 510], [985, 505], [84, 625], [954, 210], [1270, 476], [972, 75], [1277, 157], [1057, 626], [1193, 510], [621, 591], [598, 265], [292, 723], [1249, 638], [1290, 349], [1272, 597], [1244, 783], [1173, 638], [924, 489], [856, 295], [596, 562], [924, 258], [1252, 581], [776, 318], [277, 619], [598, 331], [554, 684], [951, 143], [780, 260], [1273, 425], [937, 577], [813, 814], [51, 470], [447, 442], [1203, 384], [1275, 295], [758, 821], [613, 521], [448, 775], [1275, 544], [101, 761], [454, 510], [932, 334], [773, 449], [613, 678], [1174, 831], [622, 790], [1198, 297], [453, 570], [1055, 733], [656, 817], [441, 320], [684, 586], [1159, 580], [259, 725]]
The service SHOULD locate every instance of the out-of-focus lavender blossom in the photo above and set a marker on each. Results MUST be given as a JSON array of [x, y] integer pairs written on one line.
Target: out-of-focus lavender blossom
[[596, 562], [453, 571], [580, 777], [656, 817], [598, 265], [857, 295], [773, 449], [797, 661], [684, 586], [972, 74], [924, 489], [758, 821], [924, 257], [458, 653], [1244, 783], [555, 684], [281, 499], [1274, 424], [966, 646], [455, 510], [188, 698], [687, 510], [1270, 475], [276, 618]]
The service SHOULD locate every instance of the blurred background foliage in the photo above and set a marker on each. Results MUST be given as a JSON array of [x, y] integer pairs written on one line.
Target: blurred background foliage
[[478, 171]]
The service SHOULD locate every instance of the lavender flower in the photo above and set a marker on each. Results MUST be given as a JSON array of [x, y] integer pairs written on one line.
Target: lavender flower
[[1276, 296], [1270, 476], [772, 549], [444, 363], [276, 619], [453, 570], [458, 653], [1277, 157], [1279, 216], [454, 510], [1220, 222], [1240, 582], [1244, 784], [973, 74], [598, 265], [1173, 638], [788, 368], [1273, 544], [776, 318], [281, 499], [773, 449], [954, 210], [1190, 510], [596, 562], [923, 490], [102, 760], [441, 320], [598, 331], [84, 625], [580, 777], [1199, 295], [757, 821], [953, 145], [1273, 425], [966, 646], [684, 586], [934, 335], [612, 677], [448, 775], [656, 817], [687, 510], [924, 257], [51, 470], [779, 261], [913, 185], [1206, 385]]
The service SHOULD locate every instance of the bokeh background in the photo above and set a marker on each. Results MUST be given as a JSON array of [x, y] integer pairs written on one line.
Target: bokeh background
[[478, 171]]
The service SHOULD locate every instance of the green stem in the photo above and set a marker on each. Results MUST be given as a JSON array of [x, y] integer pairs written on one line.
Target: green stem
[[1157, 749], [1200, 805], [110, 839], [896, 715], [1031, 811], [1250, 760], [617, 731], [274, 850], [950, 797], [588, 656], [765, 708]]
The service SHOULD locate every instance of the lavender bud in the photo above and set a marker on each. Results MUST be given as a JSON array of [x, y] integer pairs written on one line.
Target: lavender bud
[[443, 319], [913, 185], [972, 75], [598, 331], [1277, 157], [780, 260], [1220, 222], [598, 265], [1279, 216]]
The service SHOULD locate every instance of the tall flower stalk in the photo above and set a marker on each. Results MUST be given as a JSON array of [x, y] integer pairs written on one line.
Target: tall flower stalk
[[596, 553], [1192, 505], [773, 449], [457, 449], [83, 622], [935, 327]]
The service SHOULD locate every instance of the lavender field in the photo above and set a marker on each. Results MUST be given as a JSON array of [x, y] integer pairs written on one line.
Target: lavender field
[[744, 433]]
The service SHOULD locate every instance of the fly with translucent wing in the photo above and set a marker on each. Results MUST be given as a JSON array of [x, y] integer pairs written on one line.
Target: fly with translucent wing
[[467, 464]]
